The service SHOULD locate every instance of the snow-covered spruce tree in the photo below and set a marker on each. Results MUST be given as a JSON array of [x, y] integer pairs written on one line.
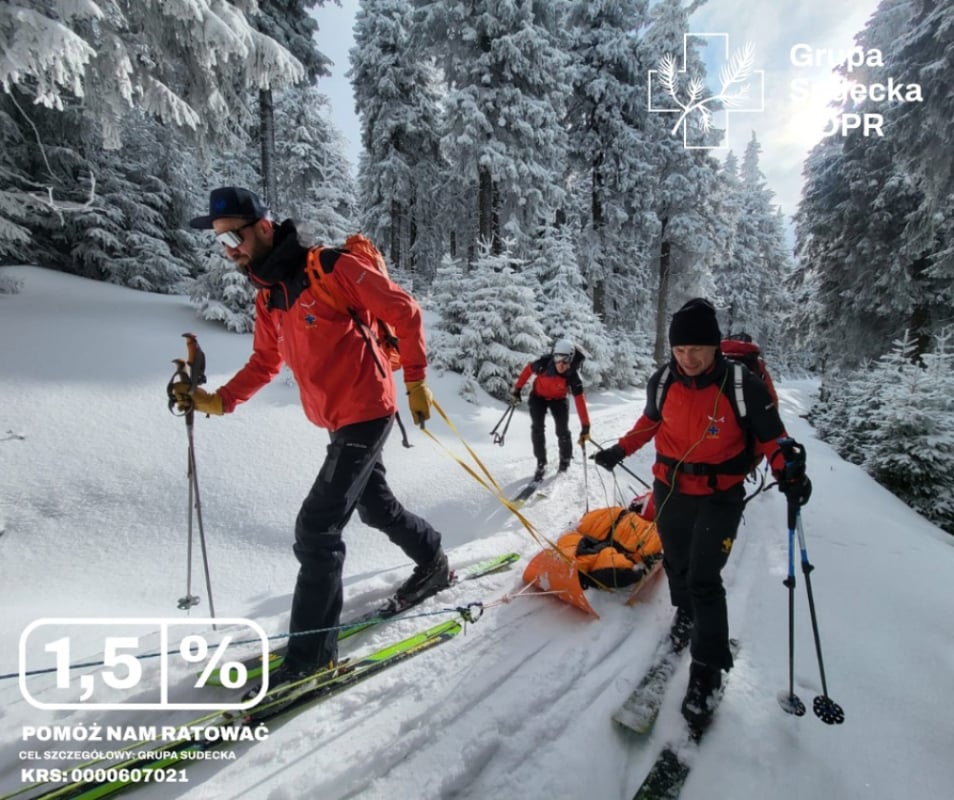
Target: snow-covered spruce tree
[[878, 240], [676, 186], [566, 311], [606, 147], [751, 275], [16, 202], [397, 95], [188, 64], [503, 135], [913, 451], [290, 23], [497, 337], [128, 232], [222, 293], [312, 168], [445, 297], [843, 414]]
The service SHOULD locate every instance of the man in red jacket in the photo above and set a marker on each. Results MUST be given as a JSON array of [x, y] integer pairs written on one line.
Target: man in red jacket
[[554, 374], [702, 457], [343, 388]]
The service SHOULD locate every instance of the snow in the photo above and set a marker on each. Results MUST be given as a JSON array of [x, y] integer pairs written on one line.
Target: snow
[[93, 514]]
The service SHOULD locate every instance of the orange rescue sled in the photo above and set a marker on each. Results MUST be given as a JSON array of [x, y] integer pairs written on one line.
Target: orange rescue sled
[[611, 548]]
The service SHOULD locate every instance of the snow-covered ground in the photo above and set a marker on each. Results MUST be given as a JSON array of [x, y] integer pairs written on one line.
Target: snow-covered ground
[[93, 513]]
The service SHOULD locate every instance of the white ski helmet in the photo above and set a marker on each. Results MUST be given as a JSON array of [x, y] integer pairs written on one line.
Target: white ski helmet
[[563, 349]]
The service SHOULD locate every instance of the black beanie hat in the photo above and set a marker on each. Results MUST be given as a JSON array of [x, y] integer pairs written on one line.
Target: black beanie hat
[[694, 324]]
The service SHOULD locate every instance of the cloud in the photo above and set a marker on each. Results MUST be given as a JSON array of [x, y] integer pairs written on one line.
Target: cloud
[[795, 113]]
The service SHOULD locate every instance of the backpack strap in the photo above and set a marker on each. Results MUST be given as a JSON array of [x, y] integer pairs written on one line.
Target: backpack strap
[[737, 376], [665, 380], [321, 260]]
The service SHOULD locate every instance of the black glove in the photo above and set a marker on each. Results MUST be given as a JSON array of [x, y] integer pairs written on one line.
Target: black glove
[[797, 493], [792, 480], [610, 457], [515, 398]]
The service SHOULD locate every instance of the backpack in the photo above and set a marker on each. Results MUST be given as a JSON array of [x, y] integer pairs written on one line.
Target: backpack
[[362, 248], [740, 347]]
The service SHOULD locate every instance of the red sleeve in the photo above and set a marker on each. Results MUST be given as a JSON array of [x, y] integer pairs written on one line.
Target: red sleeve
[[772, 453], [581, 411], [262, 366], [641, 432], [369, 290], [524, 376]]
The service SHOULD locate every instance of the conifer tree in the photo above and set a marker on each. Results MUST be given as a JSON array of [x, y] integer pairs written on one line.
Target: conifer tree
[[913, 451], [606, 146], [312, 168], [494, 336], [397, 95], [505, 77]]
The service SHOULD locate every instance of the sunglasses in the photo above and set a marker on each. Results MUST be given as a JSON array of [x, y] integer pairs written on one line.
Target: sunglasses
[[232, 238], [561, 359]]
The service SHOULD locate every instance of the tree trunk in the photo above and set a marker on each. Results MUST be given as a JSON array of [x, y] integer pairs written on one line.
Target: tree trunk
[[598, 221], [485, 205], [661, 349], [267, 115], [397, 225]]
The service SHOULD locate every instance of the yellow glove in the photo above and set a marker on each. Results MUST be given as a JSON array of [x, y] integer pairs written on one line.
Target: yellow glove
[[419, 400], [584, 435], [200, 400]]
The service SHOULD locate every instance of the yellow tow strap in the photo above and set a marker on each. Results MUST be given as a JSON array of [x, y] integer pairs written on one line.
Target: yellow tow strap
[[488, 481]]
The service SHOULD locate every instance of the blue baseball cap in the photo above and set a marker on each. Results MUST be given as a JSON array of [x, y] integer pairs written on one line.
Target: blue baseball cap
[[230, 202]]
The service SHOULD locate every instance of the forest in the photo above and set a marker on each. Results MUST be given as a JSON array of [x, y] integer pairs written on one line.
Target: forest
[[517, 183]]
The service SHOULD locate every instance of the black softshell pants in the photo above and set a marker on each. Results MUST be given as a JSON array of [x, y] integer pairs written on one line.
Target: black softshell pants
[[352, 477], [697, 534], [560, 409]]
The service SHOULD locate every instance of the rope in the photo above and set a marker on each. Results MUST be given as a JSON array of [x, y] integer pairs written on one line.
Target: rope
[[490, 484]]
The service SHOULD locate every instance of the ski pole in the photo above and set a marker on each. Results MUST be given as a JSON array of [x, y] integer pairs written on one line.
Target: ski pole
[[789, 701], [505, 421], [192, 372], [826, 709], [586, 480]]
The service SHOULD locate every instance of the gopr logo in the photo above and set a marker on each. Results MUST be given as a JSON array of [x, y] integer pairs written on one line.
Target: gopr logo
[[741, 89]]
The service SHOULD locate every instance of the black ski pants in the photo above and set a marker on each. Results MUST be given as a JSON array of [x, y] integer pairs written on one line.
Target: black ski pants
[[697, 533], [560, 409], [352, 477]]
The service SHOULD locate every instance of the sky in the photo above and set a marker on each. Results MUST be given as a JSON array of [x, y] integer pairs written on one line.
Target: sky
[[797, 88], [94, 510]]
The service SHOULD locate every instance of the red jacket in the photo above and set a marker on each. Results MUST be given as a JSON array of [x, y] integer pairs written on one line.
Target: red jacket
[[697, 429], [334, 367], [551, 385]]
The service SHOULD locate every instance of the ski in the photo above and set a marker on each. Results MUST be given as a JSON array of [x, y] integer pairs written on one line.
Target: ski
[[533, 490], [525, 493], [669, 771], [387, 610], [639, 711], [314, 689]]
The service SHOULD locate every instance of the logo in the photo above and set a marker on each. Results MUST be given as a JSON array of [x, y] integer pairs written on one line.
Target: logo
[[727, 545], [741, 89]]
